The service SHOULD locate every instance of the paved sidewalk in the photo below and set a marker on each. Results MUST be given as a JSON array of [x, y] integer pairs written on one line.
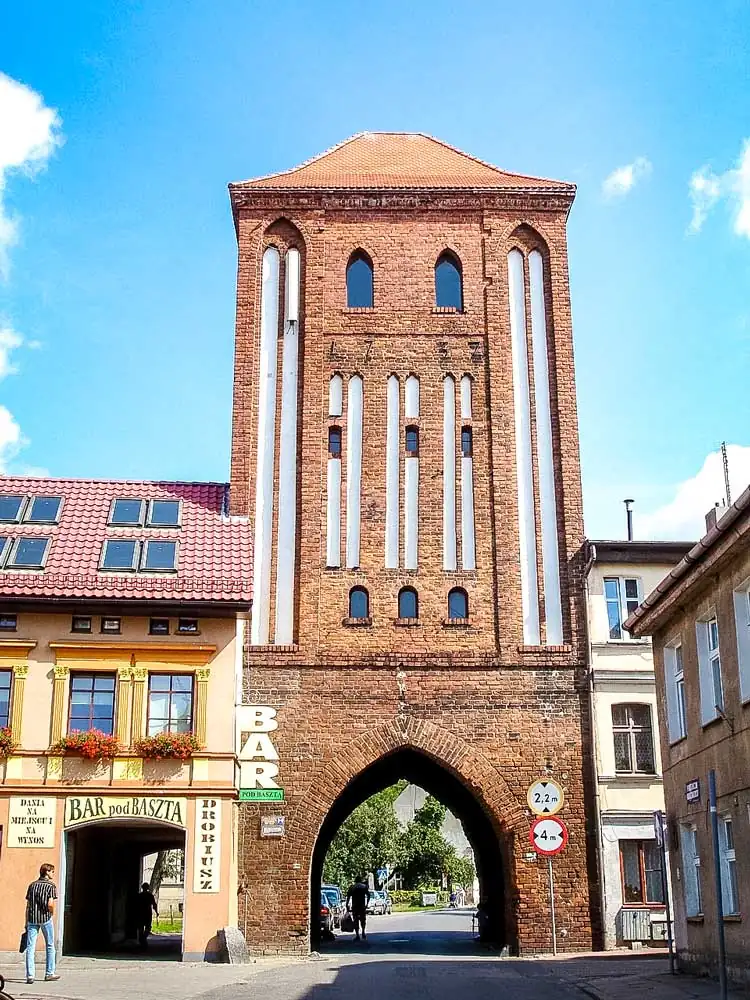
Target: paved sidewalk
[[131, 979], [632, 976]]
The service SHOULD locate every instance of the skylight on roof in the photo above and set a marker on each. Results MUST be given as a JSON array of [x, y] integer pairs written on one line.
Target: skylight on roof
[[164, 514], [119, 554], [44, 510], [29, 553], [127, 512], [159, 556], [10, 508]]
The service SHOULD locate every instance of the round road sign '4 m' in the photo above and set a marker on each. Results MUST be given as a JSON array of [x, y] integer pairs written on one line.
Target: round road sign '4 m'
[[545, 797], [548, 835]]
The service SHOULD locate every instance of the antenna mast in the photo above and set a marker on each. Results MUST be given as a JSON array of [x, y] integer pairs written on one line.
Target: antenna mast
[[725, 460]]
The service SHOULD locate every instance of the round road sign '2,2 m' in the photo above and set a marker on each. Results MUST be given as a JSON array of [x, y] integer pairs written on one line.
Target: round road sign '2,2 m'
[[548, 835], [545, 797]]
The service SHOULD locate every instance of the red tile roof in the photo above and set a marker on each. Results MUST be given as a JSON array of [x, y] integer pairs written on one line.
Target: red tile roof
[[398, 160], [213, 555]]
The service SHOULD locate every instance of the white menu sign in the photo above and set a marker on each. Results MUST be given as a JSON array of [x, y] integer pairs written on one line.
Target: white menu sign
[[31, 821]]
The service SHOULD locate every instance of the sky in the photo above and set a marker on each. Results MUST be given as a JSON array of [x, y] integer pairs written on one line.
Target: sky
[[121, 124]]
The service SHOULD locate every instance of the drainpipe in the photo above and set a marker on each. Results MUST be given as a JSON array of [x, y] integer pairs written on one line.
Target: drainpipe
[[595, 750]]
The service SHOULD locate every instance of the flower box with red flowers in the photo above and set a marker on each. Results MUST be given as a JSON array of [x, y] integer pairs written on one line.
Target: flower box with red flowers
[[168, 746], [92, 745], [8, 745]]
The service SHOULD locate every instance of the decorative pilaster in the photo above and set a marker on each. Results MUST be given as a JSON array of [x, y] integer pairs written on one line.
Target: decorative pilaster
[[202, 675], [58, 700], [140, 675], [124, 698], [20, 673]]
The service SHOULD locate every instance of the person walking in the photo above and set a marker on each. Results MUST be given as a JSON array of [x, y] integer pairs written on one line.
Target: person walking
[[40, 909], [146, 903], [357, 899]]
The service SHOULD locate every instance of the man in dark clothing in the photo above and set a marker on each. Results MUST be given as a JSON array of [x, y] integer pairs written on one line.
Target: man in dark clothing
[[356, 900], [40, 908], [146, 903]]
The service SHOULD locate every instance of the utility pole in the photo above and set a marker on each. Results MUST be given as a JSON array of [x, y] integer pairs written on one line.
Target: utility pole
[[725, 461]]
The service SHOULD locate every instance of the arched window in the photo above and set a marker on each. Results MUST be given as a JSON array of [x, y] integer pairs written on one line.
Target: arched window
[[359, 603], [467, 442], [359, 294], [408, 606], [412, 442], [334, 442], [449, 293], [458, 603]]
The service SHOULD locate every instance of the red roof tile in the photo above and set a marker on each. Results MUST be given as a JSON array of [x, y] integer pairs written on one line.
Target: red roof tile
[[397, 160], [214, 553]]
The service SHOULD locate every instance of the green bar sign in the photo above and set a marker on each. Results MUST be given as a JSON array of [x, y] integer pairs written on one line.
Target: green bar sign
[[261, 795]]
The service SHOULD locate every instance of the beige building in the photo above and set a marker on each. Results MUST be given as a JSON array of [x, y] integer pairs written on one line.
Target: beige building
[[626, 743], [120, 659], [699, 618]]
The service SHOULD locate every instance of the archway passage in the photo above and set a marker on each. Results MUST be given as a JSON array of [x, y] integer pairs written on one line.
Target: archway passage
[[103, 874], [485, 838]]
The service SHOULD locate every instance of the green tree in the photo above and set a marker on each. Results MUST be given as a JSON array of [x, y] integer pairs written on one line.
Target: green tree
[[461, 872], [425, 854], [367, 840]]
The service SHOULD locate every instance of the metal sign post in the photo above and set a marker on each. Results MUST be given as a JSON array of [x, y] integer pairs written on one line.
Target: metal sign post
[[660, 829], [552, 905], [717, 883]]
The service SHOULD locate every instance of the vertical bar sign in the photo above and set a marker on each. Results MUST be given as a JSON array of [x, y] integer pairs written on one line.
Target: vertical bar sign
[[207, 849]]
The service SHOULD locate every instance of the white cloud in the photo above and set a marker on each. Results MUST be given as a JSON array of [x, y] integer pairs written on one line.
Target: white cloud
[[9, 341], [10, 438], [29, 134], [683, 517], [706, 188], [623, 179]]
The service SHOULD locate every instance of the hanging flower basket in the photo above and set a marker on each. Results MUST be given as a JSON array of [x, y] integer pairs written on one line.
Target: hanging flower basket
[[93, 745], [8, 745], [168, 746]]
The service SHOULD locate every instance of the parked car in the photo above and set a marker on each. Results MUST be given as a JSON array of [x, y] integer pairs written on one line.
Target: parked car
[[326, 917], [333, 895], [379, 902]]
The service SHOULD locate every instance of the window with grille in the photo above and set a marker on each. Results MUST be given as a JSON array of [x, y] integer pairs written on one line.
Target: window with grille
[[633, 738], [92, 703], [170, 703], [334, 442], [640, 867], [622, 595], [412, 442]]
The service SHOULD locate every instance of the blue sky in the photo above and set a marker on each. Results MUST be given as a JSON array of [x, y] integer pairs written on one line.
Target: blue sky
[[120, 282]]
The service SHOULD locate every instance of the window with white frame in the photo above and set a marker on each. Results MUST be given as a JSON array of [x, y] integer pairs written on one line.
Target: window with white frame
[[742, 627], [709, 669], [729, 894], [674, 681], [633, 738], [623, 597], [691, 871]]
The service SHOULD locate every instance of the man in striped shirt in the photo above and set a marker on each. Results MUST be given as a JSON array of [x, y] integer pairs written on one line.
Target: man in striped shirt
[[40, 909]]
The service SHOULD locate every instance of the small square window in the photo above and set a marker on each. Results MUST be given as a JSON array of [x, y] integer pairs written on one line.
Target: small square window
[[187, 626], [80, 623], [8, 623], [111, 626], [159, 556], [159, 626], [10, 509], [127, 512], [44, 510], [164, 514], [119, 554], [29, 553]]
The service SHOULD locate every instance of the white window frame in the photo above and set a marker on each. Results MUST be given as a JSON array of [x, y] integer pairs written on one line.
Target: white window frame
[[674, 682], [742, 628], [709, 668], [631, 730], [729, 887], [622, 604], [691, 868]]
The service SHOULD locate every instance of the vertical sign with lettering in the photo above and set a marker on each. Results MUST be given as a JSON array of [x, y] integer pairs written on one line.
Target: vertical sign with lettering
[[31, 822], [207, 852]]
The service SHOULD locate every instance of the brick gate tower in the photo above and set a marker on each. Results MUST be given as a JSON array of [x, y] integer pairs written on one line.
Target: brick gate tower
[[405, 441]]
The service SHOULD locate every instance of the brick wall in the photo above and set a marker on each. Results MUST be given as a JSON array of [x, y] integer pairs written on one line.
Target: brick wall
[[494, 712]]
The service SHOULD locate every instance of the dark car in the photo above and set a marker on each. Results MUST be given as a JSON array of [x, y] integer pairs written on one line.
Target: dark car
[[326, 917]]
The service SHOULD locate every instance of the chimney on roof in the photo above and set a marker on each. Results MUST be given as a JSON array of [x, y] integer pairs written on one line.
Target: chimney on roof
[[629, 516], [715, 515]]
